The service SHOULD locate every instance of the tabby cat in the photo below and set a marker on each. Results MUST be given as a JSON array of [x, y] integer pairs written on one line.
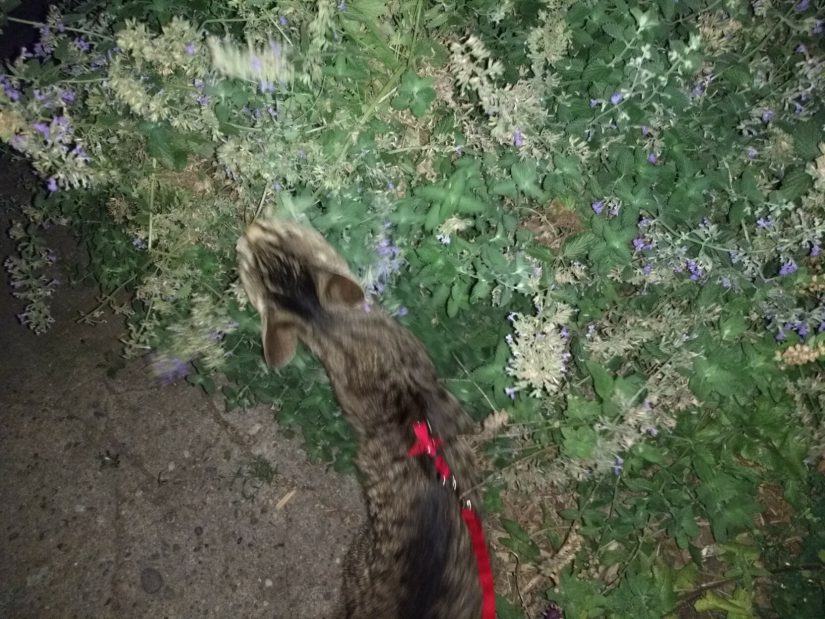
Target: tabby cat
[[415, 557]]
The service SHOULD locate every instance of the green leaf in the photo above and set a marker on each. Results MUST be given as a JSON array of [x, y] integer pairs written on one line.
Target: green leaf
[[732, 328], [581, 409], [163, 144], [578, 245], [795, 184], [506, 610], [602, 380], [596, 71], [650, 453], [415, 93], [806, 139], [578, 442], [519, 541], [371, 9], [614, 30]]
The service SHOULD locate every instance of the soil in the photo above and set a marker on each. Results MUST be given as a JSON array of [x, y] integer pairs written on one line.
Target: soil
[[124, 497]]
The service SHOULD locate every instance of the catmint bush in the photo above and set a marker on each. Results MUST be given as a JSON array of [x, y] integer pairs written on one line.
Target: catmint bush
[[605, 219]]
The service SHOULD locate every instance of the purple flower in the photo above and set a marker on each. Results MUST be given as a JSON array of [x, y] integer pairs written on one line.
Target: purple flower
[[564, 333], [68, 95], [819, 26], [403, 311], [726, 283], [591, 331], [821, 327], [386, 248], [170, 370], [752, 152], [597, 207], [644, 222], [639, 243], [42, 128], [190, 49], [42, 50], [511, 392], [767, 116], [275, 49], [51, 185], [698, 90], [518, 139], [645, 130], [11, 92], [595, 102], [202, 100], [139, 244], [801, 329], [282, 20], [765, 222], [255, 64], [18, 141], [512, 316], [80, 153], [273, 113], [266, 87], [780, 336], [802, 6], [652, 159], [647, 269], [787, 268], [198, 83], [390, 186], [444, 239], [816, 249], [618, 466], [277, 186], [616, 98], [342, 6], [614, 210], [553, 611], [82, 44], [801, 49], [695, 269]]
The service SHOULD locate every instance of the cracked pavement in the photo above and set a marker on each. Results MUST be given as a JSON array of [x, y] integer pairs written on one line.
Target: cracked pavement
[[123, 497]]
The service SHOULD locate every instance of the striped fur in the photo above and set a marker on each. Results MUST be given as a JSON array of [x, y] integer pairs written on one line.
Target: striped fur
[[413, 557]]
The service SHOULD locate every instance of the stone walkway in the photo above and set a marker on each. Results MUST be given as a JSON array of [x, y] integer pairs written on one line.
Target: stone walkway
[[122, 497]]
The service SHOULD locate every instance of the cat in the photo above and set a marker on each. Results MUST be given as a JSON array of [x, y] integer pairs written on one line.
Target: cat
[[421, 553]]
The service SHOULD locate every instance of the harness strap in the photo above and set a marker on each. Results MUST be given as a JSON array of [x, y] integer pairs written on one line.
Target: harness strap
[[426, 444]]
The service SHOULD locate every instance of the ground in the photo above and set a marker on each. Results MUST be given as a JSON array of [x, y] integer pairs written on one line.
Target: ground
[[123, 497]]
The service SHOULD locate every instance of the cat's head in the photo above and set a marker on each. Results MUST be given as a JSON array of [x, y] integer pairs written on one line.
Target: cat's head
[[293, 278]]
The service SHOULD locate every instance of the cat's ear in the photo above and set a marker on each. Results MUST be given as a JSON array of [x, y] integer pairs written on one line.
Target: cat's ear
[[280, 339], [337, 289]]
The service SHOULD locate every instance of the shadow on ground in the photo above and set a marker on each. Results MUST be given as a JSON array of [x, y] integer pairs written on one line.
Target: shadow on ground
[[122, 497]]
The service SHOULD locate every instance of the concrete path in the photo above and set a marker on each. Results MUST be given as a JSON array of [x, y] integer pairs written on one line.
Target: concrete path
[[122, 497]]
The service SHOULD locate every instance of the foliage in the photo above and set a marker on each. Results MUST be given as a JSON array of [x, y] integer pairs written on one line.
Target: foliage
[[605, 218]]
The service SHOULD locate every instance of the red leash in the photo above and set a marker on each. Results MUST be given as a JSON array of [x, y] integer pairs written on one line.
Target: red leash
[[426, 444]]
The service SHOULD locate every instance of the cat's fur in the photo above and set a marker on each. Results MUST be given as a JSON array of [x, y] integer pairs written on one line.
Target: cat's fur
[[413, 558]]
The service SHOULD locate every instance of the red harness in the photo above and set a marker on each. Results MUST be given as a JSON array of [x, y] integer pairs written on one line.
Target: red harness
[[426, 444]]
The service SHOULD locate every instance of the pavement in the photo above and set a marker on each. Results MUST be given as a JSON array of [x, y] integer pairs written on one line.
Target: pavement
[[124, 497]]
